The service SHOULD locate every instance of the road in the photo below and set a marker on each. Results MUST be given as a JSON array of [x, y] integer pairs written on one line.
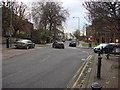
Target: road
[[45, 67]]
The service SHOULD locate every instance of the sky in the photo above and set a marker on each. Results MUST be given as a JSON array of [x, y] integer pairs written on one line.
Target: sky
[[75, 9]]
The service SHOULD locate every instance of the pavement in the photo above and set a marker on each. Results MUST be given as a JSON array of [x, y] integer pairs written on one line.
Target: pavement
[[109, 79], [11, 51]]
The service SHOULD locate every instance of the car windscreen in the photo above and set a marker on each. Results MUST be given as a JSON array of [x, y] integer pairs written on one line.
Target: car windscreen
[[23, 41], [59, 42], [73, 40]]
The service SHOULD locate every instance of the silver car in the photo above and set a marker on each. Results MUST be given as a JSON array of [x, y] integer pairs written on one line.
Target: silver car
[[24, 44]]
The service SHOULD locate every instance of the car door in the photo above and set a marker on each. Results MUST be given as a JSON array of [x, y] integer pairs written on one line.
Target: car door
[[30, 44]]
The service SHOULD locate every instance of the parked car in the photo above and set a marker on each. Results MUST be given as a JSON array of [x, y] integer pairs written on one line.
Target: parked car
[[58, 44], [99, 47], [24, 44], [73, 43], [114, 47]]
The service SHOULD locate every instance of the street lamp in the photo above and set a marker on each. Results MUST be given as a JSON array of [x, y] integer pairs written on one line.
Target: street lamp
[[78, 22]]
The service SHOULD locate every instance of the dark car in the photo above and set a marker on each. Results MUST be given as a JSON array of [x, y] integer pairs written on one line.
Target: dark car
[[113, 48], [24, 44], [73, 43], [58, 44], [108, 48]]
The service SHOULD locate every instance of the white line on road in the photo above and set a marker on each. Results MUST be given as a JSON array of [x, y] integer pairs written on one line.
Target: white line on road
[[45, 58], [83, 59]]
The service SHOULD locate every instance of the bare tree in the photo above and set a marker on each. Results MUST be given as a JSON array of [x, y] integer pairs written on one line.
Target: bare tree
[[51, 15], [102, 15], [14, 14], [77, 34], [19, 15]]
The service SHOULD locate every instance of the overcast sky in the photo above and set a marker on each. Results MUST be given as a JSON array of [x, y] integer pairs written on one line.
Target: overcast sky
[[76, 9]]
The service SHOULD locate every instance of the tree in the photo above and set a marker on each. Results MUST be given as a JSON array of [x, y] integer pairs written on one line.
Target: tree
[[77, 34], [41, 36], [19, 15], [14, 16], [102, 15], [50, 14]]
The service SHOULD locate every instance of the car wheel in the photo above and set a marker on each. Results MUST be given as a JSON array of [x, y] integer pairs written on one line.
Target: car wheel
[[95, 51], [53, 46], [33, 46]]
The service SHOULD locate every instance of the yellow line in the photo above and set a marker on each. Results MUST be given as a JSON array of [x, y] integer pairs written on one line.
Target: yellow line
[[82, 72], [79, 70]]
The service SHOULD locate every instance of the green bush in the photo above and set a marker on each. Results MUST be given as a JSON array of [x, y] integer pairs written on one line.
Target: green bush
[[24, 36], [41, 36], [87, 44]]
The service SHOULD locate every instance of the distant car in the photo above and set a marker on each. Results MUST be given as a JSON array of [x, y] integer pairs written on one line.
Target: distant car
[[58, 44], [73, 43], [24, 44], [63, 40], [99, 47]]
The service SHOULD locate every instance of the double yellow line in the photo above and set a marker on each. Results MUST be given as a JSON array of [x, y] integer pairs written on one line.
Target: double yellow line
[[82, 68]]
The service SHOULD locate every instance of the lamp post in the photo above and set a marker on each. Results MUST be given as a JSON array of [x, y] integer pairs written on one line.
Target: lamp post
[[78, 22], [78, 27]]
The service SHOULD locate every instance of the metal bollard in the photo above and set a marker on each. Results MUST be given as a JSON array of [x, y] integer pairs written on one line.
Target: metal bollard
[[7, 42], [108, 55], [96, 86], [99, 67], [99, 53]]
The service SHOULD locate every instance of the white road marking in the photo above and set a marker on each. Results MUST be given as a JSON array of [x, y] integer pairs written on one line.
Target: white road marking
[[45, 58], [83, 59]]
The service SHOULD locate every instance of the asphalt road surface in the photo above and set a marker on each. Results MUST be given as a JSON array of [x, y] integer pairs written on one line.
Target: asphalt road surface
[[45, 67]]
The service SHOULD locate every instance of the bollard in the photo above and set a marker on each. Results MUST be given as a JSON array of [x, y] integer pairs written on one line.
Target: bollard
[[96, 86], [99, 67], [99, 53], [90, 45], [108, 55], [7, 42]]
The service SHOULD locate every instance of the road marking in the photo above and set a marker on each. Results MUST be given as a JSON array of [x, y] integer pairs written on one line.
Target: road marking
[[83, 59], [78, 71], [89, 57], [45, 58], [72, 47]]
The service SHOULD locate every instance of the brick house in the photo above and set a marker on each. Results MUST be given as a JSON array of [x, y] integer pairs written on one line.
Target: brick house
[[101, 36]]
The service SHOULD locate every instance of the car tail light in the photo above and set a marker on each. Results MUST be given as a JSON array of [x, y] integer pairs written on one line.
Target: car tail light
[[23, 43], [56, 43]]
